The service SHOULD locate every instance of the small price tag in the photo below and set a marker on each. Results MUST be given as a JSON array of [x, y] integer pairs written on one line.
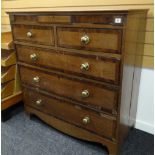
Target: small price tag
[[118, 20]]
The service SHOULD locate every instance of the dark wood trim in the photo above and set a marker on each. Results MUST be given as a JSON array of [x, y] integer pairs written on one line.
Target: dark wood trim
[[115, 80], [18, 36], [90, 30], [82, 53], [71, 77], [76, 12], [61, 98], [94, 103], [83, 25]]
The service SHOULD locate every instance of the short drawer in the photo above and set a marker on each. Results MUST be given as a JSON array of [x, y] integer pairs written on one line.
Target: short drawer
[[103, 125], [104, 69], [86, 93], [34, 34], [104, 40]]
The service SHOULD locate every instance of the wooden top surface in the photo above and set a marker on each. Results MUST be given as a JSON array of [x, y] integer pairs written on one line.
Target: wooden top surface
[[76, 10]]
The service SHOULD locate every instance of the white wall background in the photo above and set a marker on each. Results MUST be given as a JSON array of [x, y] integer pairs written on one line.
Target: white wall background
[[145, 110]]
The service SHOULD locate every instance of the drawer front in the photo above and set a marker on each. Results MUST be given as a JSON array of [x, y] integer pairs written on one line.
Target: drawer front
[[101, 69], [86, 93], [34, 34], [104, 40], [8, 58], [54, 19], [8, 73], [7, 88], [41, 19], [100, 124]]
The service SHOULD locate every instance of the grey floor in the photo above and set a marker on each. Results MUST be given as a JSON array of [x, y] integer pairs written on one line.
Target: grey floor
[[23, 136]]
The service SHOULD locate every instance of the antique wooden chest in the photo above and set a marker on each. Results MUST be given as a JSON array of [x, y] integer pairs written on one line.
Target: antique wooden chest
[[77, 70]]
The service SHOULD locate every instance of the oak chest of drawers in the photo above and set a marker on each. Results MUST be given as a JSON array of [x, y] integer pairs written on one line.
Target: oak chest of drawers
[[77, 70]]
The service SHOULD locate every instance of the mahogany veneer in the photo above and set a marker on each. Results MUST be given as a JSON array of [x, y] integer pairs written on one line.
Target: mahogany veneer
[[77, 70], [105, 69], [100, 39], [40, 34]]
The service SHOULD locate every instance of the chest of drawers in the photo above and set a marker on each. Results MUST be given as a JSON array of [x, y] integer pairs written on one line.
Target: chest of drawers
[[77, 70]]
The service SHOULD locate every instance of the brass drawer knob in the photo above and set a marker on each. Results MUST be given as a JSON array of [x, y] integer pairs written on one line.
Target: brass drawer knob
[[85, 66], [33, 57], [85, 93], [39, 102], [85, 39], [86, 120], [36, 79], [29, 34]]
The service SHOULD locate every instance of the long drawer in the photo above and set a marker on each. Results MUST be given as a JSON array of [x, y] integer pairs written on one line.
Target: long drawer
[[84, 92], [100, 124], [104, 40], [34, 34], [102, 68]]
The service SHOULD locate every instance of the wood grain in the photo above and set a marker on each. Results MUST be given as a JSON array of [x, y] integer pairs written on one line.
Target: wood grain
[[72, 114], [40, 35], [129, 96], [64, 87], [99, 67], [6, 41], [8, 58], [100, 39], [73, 130], [11, 100], [60, 85], [54, 19], [7, 89], [7, 73]]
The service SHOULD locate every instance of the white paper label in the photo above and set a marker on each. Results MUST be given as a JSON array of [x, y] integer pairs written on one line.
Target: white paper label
[[118, 20]]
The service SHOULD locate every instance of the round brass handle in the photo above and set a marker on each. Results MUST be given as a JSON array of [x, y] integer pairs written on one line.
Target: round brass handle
[[85, 66], [33, 57], [85, 39], [39, 102], [85, 93], [86, 120], [36, 79], [29, 34]]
